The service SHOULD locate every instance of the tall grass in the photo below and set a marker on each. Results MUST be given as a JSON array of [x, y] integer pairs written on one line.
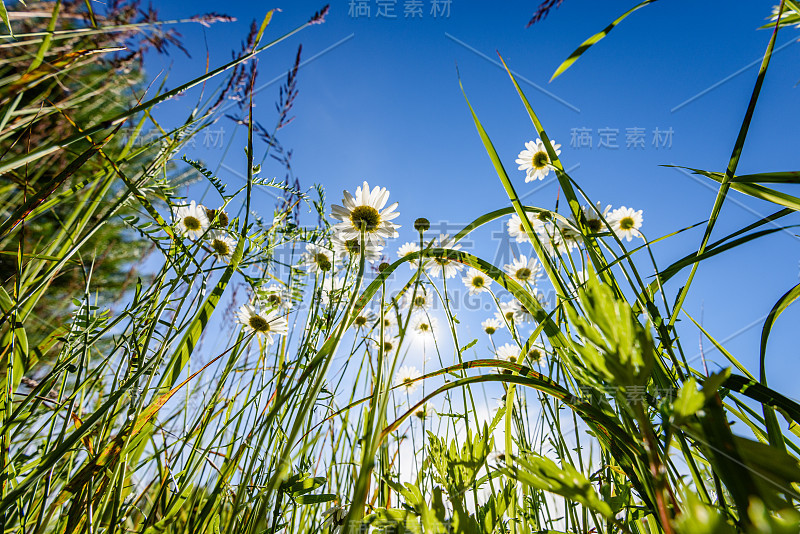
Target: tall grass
[[258, 379]]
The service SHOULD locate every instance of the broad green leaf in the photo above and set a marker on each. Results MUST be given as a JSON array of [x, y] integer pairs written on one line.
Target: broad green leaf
[[543, 474], [689, 400], [315, 499]]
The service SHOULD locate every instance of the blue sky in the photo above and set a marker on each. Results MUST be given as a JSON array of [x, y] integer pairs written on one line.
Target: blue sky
[[381, 102]]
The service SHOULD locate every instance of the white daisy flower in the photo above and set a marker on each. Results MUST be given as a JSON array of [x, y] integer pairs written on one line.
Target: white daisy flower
[[407, 249], [517, 231], [220, 215], [422, 300], [389, 320], [265, 324], [365, 319], [390, 343], [535, 354], [558, 239], [425, 411], [625, 222], [317, 258], [508, 352], [423, 325], [592, 220], [275, 296], [497, 459], [366, 209], [441, 265], [521, 313], [492, 325], [190, 220], [332, 288], [346, 248], [405, 378], [535, 161], [524, 270], [222, 245], [507, 313], [518, 400], [476, 281]]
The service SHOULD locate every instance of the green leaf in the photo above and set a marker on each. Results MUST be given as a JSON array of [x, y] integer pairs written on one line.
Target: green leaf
[[45, 46], [315, 499], [788, 177], [4, 16], [469, 345], [594, 39], [751, 189], [689, 400], [543, 474], [304, 486]]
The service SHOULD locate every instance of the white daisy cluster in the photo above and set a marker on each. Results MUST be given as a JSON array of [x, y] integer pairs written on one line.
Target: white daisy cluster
[[440, 266], [195, 221], [406, 377], [558, 235], [265, 316], [561, 236]]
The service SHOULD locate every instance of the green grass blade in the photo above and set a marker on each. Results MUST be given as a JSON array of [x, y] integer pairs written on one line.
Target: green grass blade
[[45, 46], [4, 16], [594, 39], [729, 173]]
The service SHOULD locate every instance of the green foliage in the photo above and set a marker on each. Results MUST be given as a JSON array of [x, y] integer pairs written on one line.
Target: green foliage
[[614, 347], [543, 474], [174, 410]]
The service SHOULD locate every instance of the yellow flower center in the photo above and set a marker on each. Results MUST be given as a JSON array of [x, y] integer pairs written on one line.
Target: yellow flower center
[[424, 327], [523, 274], [360, 320], [489, 330], [259, 324], [540, 160], [419, 301], [594, 225], [220, 247], [477, 281], [626, 223], [191, 223], [367, 215], [352, 246]]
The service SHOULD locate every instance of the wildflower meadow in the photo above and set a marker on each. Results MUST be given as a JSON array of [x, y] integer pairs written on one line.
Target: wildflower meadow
[[195, 346]]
